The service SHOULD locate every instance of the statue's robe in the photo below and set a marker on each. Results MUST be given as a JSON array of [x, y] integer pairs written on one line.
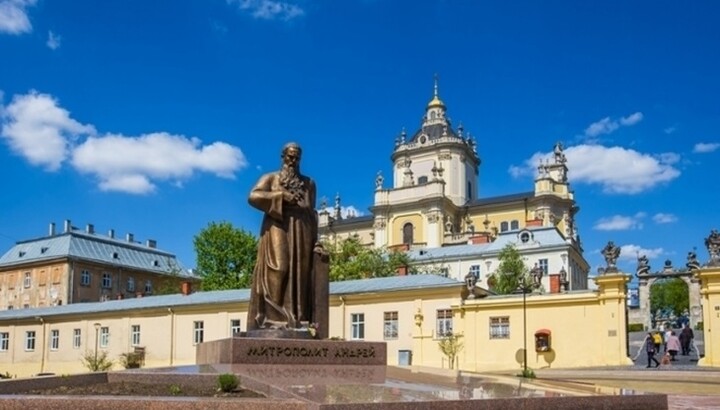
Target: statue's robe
[[282, 289]]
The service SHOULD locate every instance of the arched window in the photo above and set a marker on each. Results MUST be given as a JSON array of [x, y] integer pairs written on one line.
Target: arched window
[[503, 226], [514, 225], [408, 233]]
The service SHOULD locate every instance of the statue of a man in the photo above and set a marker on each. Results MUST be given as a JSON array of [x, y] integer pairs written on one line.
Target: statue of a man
[[281, 295]]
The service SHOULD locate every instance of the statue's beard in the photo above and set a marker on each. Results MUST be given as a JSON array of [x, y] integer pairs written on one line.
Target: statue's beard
[[290, 178]]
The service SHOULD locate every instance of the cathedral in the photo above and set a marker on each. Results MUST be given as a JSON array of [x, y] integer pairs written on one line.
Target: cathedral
[[432, 209]]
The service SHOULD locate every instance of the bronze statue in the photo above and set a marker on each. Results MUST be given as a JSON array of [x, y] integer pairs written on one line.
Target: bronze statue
[[611, 254], [282, 291]]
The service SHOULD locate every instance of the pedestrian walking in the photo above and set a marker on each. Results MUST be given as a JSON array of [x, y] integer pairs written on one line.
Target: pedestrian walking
[[673, 345], [686, 337], [650, 349]]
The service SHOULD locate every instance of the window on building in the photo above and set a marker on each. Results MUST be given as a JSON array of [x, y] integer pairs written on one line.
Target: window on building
[[357, 321], [503, 226], [30, 340], [423, 180], [54, 339], [390, 325], [543, 264], [469, 190], [475, 270], [106, 280], [234, 327], [4, 341], [85, 278], [408, 233], [26, 306], [131, 284], [77, 338], [444, 325], [198, 331], [104, 336], [28, 280], [11, 307], [148, 287], [500, 327], [514, 225], [135, 335]]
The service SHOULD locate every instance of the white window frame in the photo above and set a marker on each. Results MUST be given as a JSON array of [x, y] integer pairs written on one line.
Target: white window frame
[[104, 337], [135, 335], [390, 325], [54, 339], [107, 280], [543, 264], [85, 278], [77, 338], [475, 271], [234, 327], [357, 325], [443, 322], [27, 280], [30, 341], [499, 327], [148, 286], [198, 332], [4, 341], [131, 284]]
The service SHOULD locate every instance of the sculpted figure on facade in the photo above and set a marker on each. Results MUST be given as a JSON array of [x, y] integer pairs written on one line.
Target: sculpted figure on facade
[[611, 252], [643, 266], [282, 289], [712, 243], [692, 261], [536, 273]]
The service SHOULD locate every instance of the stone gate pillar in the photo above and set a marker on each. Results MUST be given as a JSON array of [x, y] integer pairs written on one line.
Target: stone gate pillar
[[644, 300], [709, 278]]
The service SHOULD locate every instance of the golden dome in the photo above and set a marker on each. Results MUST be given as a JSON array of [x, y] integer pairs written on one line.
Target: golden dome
[[436, 102]]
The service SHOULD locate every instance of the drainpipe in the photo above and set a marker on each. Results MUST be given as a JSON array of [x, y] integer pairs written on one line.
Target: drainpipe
[[43, 342], [342, 301], [172, 335], [71, 287]]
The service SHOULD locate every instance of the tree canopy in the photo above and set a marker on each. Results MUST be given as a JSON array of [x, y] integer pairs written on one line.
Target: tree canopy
[[225, 256], [511, 273], [669, 296], [349, 259]]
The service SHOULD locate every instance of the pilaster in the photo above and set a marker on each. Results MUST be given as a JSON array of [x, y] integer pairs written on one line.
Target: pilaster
[[612, 297], [710, 301]]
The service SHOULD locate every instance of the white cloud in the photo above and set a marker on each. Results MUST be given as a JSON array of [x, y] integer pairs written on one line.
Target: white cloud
[[42, 132], [705, 147], [36, 128], [608, 125], [13, 16], [620, 222], [631, 252], [617, 170], [269, 9], [670, 130], [661, 218], [53, 40]]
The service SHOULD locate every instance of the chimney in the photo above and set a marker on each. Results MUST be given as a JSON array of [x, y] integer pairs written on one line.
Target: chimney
[[51, 229], [120, 296], [130, 238], [151, 243], [89, 228], [138, 294], [554, 283], [186, 288], [111, 234], [68, 226]]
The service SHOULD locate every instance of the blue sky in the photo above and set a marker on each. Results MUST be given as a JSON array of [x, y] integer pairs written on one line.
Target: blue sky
[[156, 118]]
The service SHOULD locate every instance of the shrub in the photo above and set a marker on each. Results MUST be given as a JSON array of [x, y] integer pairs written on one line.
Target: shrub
[[636, 327], [228, 382], [175, 390], [97, 361], [699, 326], [131, 360], [527, 373]]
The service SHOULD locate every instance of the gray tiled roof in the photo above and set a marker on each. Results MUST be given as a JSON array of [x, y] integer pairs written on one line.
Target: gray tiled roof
[[93, 248], [225, 296], [543, 237], [502, 199]]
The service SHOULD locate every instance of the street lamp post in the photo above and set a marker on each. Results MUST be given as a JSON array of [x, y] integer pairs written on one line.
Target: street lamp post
[[97, 329], [526, 286]]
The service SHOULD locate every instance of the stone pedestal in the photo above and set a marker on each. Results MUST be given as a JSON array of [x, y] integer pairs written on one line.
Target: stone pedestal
[[250, 350]]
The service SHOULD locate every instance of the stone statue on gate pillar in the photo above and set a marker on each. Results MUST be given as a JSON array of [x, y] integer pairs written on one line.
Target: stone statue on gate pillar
[[611, 252], [712, 243], [289, 292]]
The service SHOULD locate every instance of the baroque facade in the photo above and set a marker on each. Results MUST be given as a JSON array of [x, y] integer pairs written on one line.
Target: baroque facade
[[75, 266], [434, 203]]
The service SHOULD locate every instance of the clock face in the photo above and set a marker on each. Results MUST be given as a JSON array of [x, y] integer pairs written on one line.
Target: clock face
[[423, 139]]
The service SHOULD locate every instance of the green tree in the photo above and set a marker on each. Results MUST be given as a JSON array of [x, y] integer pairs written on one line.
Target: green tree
[[511, 273], [350, 259], [669, 295], [225, 256]]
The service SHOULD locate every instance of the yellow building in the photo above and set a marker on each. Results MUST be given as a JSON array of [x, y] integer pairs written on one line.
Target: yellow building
[[412, 314], [434, 201], [84, 266]]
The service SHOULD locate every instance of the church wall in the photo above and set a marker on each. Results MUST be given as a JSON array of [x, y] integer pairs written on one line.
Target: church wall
[[395, 236]]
